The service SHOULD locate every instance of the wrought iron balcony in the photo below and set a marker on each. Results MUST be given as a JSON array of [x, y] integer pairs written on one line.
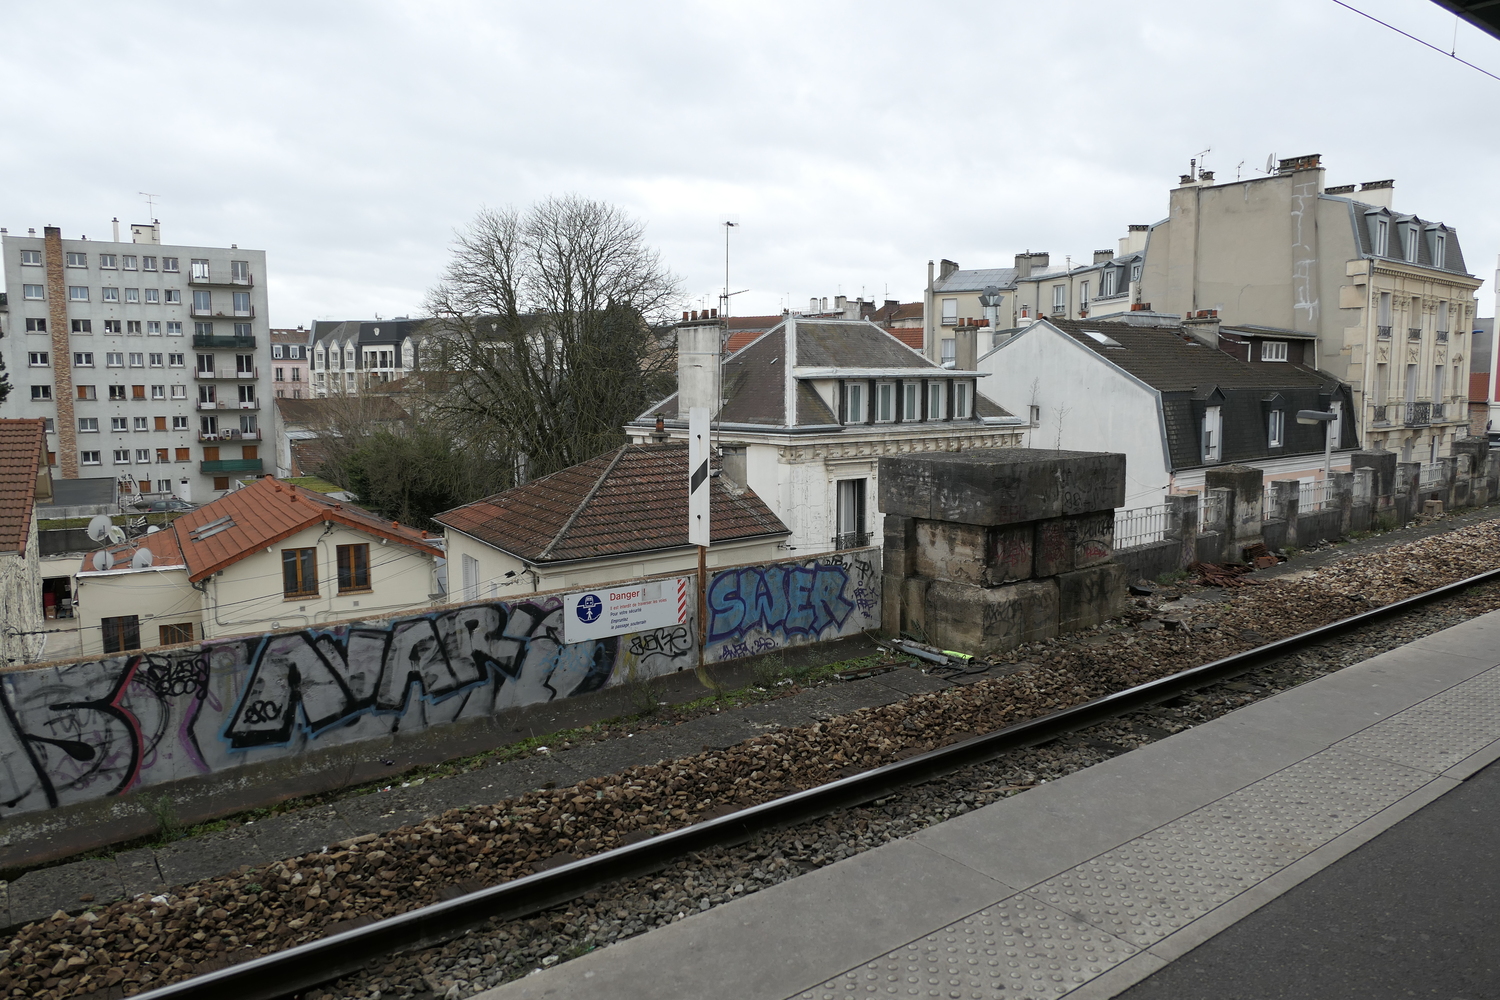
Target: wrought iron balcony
[[1380, 415], [1414, 333], [1418, 414], [1442, 336], [1384, 332], [1438, 409], [851, 540]]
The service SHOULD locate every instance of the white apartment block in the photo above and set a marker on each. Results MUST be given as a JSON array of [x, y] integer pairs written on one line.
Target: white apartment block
[[351, 356], [148, 362]]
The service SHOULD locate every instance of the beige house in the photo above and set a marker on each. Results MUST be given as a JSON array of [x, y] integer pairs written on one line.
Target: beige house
[[25, 481], [270, 555], [620, 516], [1386, 295]]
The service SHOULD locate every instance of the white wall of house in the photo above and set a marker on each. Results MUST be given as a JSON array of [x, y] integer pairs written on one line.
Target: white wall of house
[[21, 601], [248, 595], [1082, 403], [157, 596], [490, 566]]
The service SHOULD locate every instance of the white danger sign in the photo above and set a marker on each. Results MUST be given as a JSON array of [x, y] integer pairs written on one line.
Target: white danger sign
[[622, 609]]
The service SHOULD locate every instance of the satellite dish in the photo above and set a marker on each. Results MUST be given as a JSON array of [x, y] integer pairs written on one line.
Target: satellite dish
[[1270, 162], [116, 533], [102, 560], [98, 526], [153, 529], [141, 559]]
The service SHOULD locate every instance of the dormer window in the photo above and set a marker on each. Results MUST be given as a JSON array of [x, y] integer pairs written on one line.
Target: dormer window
[[937, 397], [911, 401], [1212, 428], [1439, 249], [885, 402], [1276, 430], [1273, 350], [1412, 234], [854, 403], [960, 401], [1382, 238], [1107, 282]]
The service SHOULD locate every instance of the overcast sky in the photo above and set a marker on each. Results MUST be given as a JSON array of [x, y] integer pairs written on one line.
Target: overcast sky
[[852, 142]]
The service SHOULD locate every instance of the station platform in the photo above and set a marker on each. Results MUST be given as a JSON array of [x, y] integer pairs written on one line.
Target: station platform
[[1089, 885]]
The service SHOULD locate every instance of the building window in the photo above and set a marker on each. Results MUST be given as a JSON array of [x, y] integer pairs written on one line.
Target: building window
[[202, 301], [1273, 350], [119, 424], [143, 456], [299, 572], [200, 270], [83, 359], [169, 264], [116, 393], [885, 402], [1412, 235], [1083, 295], [221, 482], [279, 376], [1276, 429], [164, 486], [950, 312], [32, 292], [110, 294], [296, 374], [78, 260], [354, 567], [157, 360], [854, 403], [173, 635], [242, 329], [159, 423], [960, 400], [174, 329], [241, 303], [1437, 383], [153, 296], [127, 262], [950, 352], [122, 456], [1439, 250], [88, 425], [88, 458], [1135, 273], [132, 295], [1059, 299], [86, 392], [276, 350], [1212, 427], [38, 359], [179, 423], [78, 293], [161, 456], [121, 634], [179, 392], [137, 359], [1382, 238], [471, 578], [158, 392], [111, 326], [133, 327], [849, 515], [148, 263], [294, 351], [137, 392], [173, 296], [36, 325], [239, 271], [114, 359], [318, 361], [203, 329], [31, 258], [936, 400], [175, 360], [184, 454], [1107, 281]]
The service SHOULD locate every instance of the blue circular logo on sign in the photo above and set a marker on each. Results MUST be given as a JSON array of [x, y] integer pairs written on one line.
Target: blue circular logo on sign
[[589, 608]]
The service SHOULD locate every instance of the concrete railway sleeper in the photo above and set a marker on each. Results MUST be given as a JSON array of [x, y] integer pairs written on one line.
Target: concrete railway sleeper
[[1108, 724]]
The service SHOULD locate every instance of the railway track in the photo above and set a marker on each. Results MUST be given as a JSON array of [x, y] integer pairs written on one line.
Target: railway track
[[296, 971]]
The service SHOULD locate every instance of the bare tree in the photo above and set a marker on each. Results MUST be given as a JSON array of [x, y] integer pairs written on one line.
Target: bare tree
[[555, 326]]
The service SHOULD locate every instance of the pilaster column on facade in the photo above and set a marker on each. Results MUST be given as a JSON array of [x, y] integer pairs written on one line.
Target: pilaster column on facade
[[62, 352]]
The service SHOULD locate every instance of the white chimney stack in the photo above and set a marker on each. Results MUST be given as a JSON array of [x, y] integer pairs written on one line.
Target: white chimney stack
[[699, 339]]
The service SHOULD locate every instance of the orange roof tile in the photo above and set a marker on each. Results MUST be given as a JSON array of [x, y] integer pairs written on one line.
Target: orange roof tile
[[1479, 386], [162, 545], [911, 337], [222, 533], [23, 455]]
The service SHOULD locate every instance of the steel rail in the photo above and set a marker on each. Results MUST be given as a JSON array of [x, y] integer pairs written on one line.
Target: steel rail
[[287, 973]]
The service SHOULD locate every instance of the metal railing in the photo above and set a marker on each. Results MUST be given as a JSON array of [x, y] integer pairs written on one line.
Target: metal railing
[[1141, 526], [1414, 333], [1383, 332], [1432, 473], [850, 540], [1438, 409], [1210, 509], [1317, 495], [1418, 414], [1442, 336], [1380, 414]]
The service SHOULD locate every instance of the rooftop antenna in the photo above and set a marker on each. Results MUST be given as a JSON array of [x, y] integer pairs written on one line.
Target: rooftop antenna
[[1237, 169], [1203, 158], [150, 202], [728, 224]]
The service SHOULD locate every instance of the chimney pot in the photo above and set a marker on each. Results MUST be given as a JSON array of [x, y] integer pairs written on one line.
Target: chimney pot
[[684, 315], [713, 314]]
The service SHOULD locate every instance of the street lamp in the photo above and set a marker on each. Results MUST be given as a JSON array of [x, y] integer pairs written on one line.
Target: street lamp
[[1310, 417]]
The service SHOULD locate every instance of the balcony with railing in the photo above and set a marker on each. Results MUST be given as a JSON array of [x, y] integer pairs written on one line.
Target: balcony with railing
[[229, 465], [1414, 333], [231, 434], [228, 404], [226, 374], [1383, 332], [1442, 336], [200, 279], [1418, 414], [1438, 409], [850, 540], [212, 313], [1381, 414], [230, 343]]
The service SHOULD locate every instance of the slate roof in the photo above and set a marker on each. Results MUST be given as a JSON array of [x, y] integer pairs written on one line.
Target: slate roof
[[976, 280], [1363, 218], [373, 406], [23, 446], [1165, 358], [632, 499], [852, 344], [223, 532]]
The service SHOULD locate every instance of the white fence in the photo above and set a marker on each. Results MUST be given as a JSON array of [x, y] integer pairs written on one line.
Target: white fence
[[1316, 495], [1141, 526], [1432, 473]]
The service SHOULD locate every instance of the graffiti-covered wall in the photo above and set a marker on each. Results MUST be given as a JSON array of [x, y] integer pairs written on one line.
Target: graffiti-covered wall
[[757, 609], [103, 727], [83, 731]]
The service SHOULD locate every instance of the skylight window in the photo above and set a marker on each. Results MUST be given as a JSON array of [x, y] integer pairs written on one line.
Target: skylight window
[[1101, 338]]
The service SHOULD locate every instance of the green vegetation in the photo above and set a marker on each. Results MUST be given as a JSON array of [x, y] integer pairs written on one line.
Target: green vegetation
[[1172, 576]]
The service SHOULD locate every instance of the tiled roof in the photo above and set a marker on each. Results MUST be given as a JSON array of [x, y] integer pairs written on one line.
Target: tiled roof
[[1166, 358], [632, 499], [161, 544], [222, 533], [22, 452], [1479, 387], [976, 280]]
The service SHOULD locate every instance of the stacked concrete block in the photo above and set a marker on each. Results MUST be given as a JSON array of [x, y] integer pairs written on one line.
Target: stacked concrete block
[[986, 550]]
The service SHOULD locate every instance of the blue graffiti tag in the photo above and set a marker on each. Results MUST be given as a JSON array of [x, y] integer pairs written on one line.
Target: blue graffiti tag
[[787, 600]]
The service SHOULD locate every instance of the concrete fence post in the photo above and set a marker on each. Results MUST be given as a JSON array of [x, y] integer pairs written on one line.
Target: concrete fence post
[[1343, 499], [1286, 494], [1182, 525], [1408, 491], [1449, 491], [1247, 485]]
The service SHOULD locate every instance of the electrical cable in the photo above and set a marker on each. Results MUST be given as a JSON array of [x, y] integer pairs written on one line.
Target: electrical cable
[[1450, 55]]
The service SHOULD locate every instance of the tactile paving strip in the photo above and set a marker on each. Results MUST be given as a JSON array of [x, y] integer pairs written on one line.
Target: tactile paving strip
[[1440, 731], [1016, 948], [1160, 882]]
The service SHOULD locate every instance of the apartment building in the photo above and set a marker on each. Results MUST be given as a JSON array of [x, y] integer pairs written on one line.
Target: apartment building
[[1383, 297], [291, 362], [146, 360], [350, 357]]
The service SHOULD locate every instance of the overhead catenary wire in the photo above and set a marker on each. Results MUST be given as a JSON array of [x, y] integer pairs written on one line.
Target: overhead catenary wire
[[1438, 49]]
